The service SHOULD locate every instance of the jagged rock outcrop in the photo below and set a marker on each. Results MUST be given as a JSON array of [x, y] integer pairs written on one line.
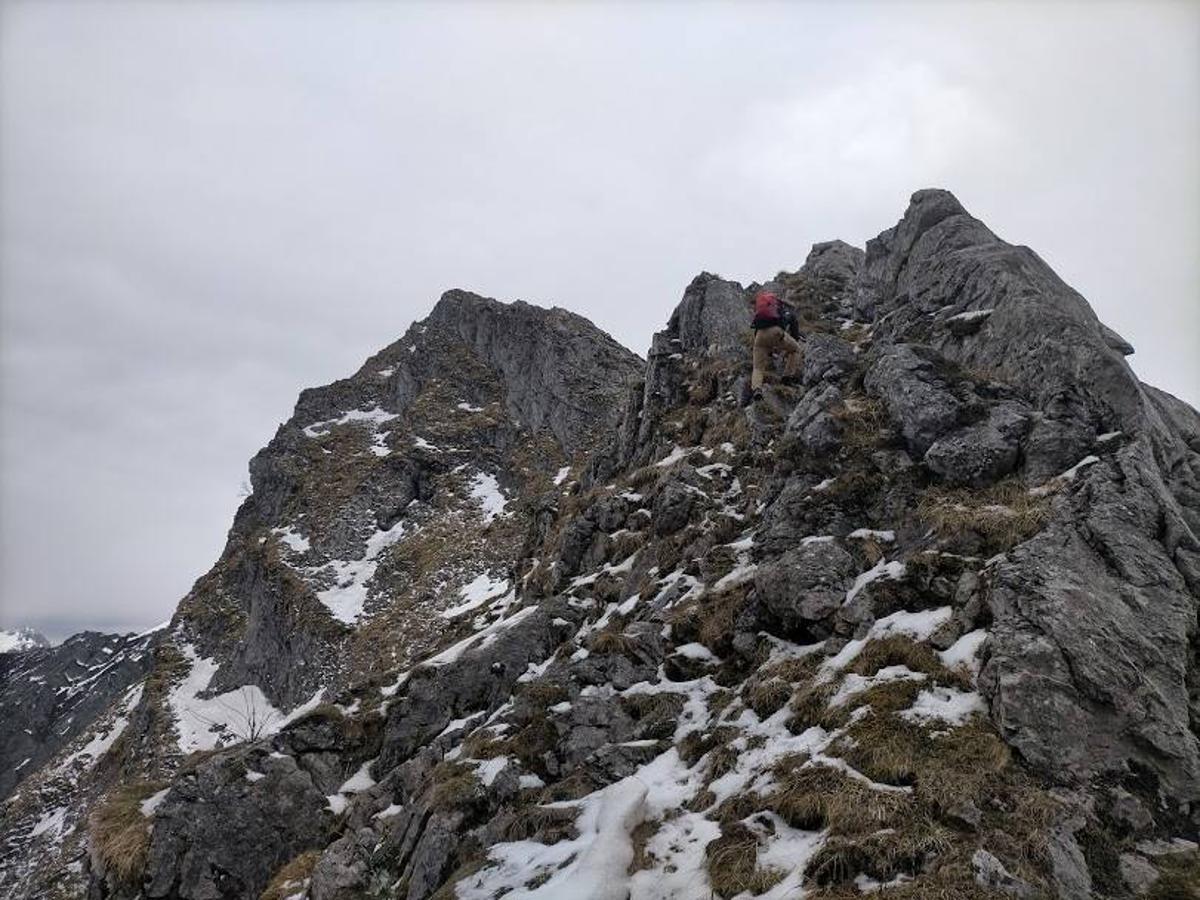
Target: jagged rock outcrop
[[925, 621], [1095, 616]]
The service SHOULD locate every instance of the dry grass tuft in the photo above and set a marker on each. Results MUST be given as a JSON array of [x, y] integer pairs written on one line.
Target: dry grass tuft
[[945, 766], [542, 692], [120, 834], [696, 743], [544, 825], [573, 787], [767, 696], [484, 744], [656, 707], [732, 861], [640, 837], [812, 797], [1179, 877], [613, 642], [710, 620], [863, 420], [454, 785], [293, 878], [1002, 515], [886, 697], [882, 855], [794, 670], [896, 650], [810, 707]]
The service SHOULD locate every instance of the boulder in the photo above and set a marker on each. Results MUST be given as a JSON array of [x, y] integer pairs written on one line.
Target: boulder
[[991, 874], [826, 358], [980, 454], [918, 399], [806, 584], [812, 424], [673, 507]]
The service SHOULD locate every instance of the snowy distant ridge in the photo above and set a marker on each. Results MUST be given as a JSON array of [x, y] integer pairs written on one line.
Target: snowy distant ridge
[[21, 640]]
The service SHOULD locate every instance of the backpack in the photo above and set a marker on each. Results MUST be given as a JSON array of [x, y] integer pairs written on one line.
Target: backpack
[[767, 310], [789, 322]]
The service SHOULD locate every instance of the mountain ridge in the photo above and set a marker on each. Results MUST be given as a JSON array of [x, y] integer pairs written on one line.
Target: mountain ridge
[[512, 612]]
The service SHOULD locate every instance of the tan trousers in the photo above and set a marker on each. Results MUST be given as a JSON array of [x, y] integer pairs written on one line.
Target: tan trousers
[[768, 341]]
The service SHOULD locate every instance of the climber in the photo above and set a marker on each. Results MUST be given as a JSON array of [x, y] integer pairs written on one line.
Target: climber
[[775, 329]]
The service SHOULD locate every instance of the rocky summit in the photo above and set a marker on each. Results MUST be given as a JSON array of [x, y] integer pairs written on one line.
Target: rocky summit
[[512, 613]]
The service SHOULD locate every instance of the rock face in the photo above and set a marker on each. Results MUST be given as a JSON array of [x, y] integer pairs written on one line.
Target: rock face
[[1096, 616], [510, 613]]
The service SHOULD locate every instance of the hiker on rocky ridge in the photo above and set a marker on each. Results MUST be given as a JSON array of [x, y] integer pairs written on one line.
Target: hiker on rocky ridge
[[775, 330]]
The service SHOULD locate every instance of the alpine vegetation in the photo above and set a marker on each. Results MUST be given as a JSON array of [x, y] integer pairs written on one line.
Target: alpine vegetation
[[513, 613]]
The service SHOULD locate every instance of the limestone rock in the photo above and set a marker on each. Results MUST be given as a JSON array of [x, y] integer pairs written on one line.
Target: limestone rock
[[917, 397], [806, 584]]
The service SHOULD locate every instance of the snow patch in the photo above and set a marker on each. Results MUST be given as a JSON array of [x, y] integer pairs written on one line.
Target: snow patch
[[882, 569], [292, 539], [593, 866], [373, 417], [965, 651], [347, 598], [872, 534], [485, 489], [241, 714], [944, 704], [51, 823], [151, 803], [476, 593], [359, 781]]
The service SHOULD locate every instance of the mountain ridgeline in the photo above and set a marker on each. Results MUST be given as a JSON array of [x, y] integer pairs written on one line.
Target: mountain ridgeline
[[512, 612]]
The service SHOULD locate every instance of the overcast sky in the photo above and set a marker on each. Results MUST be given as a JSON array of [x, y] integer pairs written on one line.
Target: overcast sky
[[207, 206]]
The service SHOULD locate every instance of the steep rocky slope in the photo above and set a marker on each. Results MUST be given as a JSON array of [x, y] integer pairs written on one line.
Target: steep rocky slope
[[922, 624], [385, 520]]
